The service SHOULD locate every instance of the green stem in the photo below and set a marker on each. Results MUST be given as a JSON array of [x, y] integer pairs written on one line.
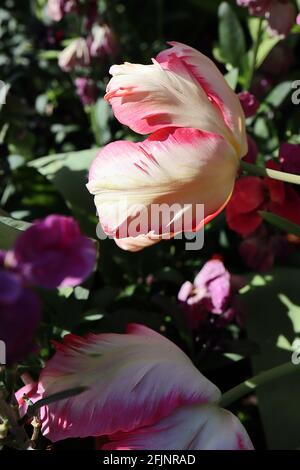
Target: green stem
[[275, 174], [255, 52], [257, 381]]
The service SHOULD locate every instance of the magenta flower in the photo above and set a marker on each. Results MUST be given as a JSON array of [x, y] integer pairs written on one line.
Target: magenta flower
[[20, 313], [210, 293], [256, 7], [143, 393], [53, 253], [86, 90], [289, 157], [281, 14], [281, 17], [249, 103]]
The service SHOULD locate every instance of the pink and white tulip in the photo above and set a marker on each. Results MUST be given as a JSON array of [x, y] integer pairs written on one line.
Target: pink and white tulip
[[197, 129], [143, 392]]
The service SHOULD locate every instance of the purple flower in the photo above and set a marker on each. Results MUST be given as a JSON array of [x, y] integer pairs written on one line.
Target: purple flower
[[289, 157], [86, 90], [53, 253], [249, 103], [281, 14], [20, 313], [210, 293], [256, 7], [281, 17]]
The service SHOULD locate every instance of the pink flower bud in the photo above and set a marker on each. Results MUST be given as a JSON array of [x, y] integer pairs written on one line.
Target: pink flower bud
[[289, 157], [249, 103]]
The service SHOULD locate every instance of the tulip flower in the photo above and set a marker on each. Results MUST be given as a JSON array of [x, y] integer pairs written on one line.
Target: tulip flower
[[197, 427], [197, 139], [143, 392]]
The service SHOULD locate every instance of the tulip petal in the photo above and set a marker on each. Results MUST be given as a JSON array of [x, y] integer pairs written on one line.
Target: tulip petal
[[174, 170], [203, 427], [212, 82], [185, 291], [133, 380], [136, 243], [150, 97]]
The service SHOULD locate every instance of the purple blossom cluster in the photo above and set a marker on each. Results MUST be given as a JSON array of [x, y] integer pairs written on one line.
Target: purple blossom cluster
[[51, 253], [280, 14], [210, 293], [97, 42]]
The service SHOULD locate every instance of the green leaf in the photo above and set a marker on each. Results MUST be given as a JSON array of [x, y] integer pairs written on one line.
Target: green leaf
[[232, 78], [265, 47], [68, 172], [48, 55], [10, 229], [273, 322], [277, 96], [281, 223], [72, 392], [100, 115], [253, 25], [231, 36]]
